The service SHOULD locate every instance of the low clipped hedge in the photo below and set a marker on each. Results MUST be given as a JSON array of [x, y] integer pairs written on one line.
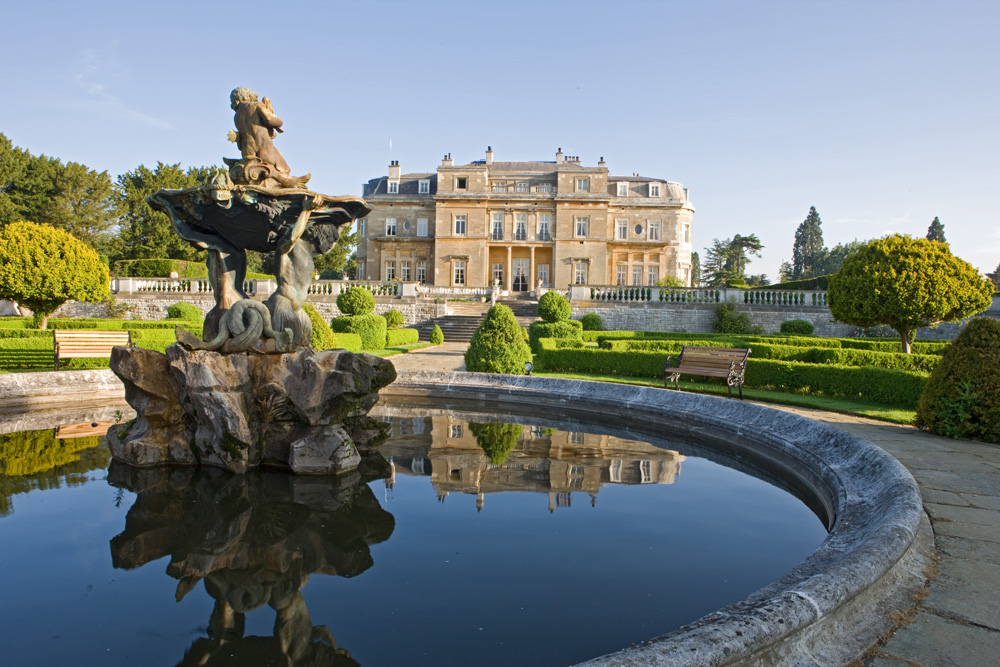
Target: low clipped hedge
[[918, 347], [397, 337], [15, 323], [347, 341], [562, 329], [371, 328], [183, 311]]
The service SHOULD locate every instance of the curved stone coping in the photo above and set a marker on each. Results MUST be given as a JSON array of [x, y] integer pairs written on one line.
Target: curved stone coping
[[20, 391], [826, 610]]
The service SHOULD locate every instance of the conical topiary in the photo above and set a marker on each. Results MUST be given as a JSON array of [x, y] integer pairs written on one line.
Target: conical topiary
[[437, 336], [498, 345], [962, 396]]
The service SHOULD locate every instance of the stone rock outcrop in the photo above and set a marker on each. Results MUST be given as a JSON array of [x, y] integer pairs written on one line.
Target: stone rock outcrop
[[306, 411]]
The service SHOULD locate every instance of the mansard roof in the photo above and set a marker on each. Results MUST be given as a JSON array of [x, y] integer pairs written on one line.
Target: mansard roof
[[409, 184]]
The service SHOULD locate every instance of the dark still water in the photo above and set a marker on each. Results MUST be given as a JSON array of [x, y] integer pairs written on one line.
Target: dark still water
[[483, 544]]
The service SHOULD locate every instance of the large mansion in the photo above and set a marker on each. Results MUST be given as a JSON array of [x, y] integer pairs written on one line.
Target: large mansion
[[523, 224]]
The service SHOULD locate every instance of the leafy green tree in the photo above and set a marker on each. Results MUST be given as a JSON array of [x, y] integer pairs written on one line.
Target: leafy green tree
[[338, 261], [936, 231], [670, 281], [785, 272], [41, 267], [13, 166], [808, 246], [906, 283], [831, 260], [498, 345], [553, 307], [145, 233], [727, 259], [695, 269], [758, 280], [995, 277]]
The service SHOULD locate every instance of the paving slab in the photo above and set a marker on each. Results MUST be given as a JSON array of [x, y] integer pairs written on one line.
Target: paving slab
[[966, 589], [933, 641], [966, 547]]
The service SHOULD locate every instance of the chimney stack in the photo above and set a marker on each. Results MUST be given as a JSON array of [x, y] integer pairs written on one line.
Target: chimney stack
[[600, 163], [559, 156], [489, 155], [447, 161], [394, 170]]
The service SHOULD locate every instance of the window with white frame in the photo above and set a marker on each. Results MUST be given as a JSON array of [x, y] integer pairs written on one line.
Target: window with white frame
[[390, 226], [421, 226], [654, 189], [520, 226], [543, 274], [580, 273], [544, 226], [404, 270], [623, 189], [521, 187], [687, 233], [456, 430], [582, 225], [576, 437], [583, 185], [460, 224], [361, 270], [362, 224], [499, 186], [498, 273], [621, 273], [654, 274], [637, 274], [422, 271], [459, 271], [653, 230], [424, 186], [544, 187], [390, 270], [496, 226], [621, 230], [394, 187]]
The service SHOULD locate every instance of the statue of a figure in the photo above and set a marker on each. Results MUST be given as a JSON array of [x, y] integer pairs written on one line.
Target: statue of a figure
[[256, 125]]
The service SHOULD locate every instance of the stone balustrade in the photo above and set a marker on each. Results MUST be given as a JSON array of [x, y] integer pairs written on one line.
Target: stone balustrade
[[652, 294]]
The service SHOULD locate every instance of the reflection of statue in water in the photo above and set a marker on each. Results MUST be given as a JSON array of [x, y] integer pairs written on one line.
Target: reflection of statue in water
[[254, 540], [256, 125]]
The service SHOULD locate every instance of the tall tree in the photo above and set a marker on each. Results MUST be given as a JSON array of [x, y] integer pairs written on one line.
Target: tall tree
[[936, 231], [742, 246], [695, 269], [13, 162], [995, 277], [145, 233], [785, 272], [339, 257], [808, 246], [726, 260], [831, 260]]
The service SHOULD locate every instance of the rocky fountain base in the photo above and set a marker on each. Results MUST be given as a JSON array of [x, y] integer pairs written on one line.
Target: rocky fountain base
[[304, 410]]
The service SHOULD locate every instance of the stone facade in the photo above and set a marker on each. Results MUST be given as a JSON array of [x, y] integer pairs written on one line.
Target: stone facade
[[521, 223]]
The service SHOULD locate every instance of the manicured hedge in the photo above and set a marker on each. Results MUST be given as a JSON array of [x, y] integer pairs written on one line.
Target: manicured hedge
[[184, 311], [918, 347], [371, 328], [396, 337], [562, 329], [817, 283], [347, 341], [15, 322]]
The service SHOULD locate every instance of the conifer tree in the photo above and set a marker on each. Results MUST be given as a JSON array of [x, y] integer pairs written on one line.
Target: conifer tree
[[808, 247], [936, 231]]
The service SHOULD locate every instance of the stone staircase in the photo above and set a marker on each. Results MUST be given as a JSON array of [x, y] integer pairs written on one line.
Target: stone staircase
[[466, 317]]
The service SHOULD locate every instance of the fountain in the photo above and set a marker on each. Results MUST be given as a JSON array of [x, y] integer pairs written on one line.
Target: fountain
[[252, 393]]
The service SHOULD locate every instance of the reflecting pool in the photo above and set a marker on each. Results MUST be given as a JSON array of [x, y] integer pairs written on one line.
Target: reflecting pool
[[471, 542]]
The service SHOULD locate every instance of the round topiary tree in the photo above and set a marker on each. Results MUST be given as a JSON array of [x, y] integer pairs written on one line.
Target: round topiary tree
[[498, 345], [798, 327], [437, 336], [323, 337], [42, 267], [962, 396], [592, 322], [553, 307], [184, 311], [496, 440], [356, 301], [393, 319], [906, 283]]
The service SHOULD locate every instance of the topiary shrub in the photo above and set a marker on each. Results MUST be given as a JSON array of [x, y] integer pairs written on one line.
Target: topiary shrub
[[347, 341], [592, 322], [323, 337], [497, 346], [356, 301], [370, 327], [437, 336], [184, 311], [728, 321], [553, 307], [496, 440], [572, 329], [397, 337], [393, 319], [797, 327], [962, 396]]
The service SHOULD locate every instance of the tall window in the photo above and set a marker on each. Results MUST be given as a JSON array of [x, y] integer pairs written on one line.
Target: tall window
[[620, 274], [623, 189], [421, 272], [653, 230], [637, 274], [621, 230], [361, 270], [390, 270], [654, 274], [582, 224], [521, 187], [404, 270], [421, 226], [654, 189], [544, 224], [687, 233], [543, 274], [498, 273], [583, 185], [459, 271], [461, 183], [520, 226], [497, 226], [362, 224], [580, 273], [544, 187], [460, 224], [390, 226], [425, 187], [499, 186], [394, 187]]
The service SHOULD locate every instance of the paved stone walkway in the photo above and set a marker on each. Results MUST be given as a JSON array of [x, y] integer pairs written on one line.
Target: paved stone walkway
[[958, 623]]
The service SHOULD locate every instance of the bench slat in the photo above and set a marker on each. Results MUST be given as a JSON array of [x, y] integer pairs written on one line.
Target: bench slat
[[77, 344], [727, 362]]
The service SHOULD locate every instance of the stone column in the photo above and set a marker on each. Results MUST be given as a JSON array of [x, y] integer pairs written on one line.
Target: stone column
[[507, 270], [399, 266], [531, 268]]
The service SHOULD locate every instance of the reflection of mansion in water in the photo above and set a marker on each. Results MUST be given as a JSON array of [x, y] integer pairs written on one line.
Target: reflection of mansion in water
[[544, 460]]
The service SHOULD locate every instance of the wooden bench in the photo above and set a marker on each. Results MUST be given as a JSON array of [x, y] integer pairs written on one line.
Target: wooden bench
[[88, 344], [723, 362]]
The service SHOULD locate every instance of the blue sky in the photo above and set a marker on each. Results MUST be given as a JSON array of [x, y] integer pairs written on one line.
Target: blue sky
[[881, 114]]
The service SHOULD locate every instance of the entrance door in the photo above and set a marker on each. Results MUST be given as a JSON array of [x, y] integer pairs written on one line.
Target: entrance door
[[520, 270]]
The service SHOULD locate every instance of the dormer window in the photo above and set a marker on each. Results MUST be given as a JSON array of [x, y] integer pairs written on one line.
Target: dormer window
[[654, 189], [394, 187], [424, 187], [461, 182], [583, 185], [623, 189]]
